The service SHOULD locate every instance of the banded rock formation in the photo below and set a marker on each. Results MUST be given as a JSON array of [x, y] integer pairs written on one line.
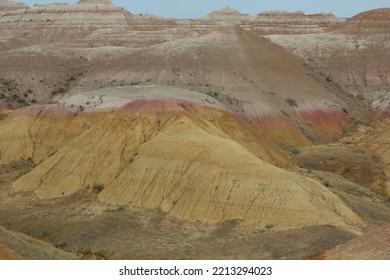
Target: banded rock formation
[[367, 23], [56, 22], [282, 22]]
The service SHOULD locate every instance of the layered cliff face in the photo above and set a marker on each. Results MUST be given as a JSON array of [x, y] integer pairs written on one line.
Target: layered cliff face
[[62, 22], [226, 16], [367, 23], [271, 22], [281, 22]]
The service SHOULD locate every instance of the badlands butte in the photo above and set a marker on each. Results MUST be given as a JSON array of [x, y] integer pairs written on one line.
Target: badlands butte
[[230, 136]]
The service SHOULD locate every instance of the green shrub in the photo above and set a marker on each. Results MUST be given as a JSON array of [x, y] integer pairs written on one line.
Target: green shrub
[[285, 113], [346, 171], [2, 116], [326, 183], [360, 96], [97, 188], [291, 102], [294, 151]]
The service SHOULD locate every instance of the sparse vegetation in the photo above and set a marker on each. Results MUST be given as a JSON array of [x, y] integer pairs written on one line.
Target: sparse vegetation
[[69, 79], [285, 113], [11, 94], [326, 183], [176, 71], [360, 97], [59, 90], [294, 151], [291, 102], [213, 93], [346, 171], [97, 188], [2, 115]]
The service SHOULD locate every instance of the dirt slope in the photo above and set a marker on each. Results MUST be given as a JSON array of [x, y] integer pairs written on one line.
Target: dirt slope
[[15, 246], [371, 246], [376, 140]]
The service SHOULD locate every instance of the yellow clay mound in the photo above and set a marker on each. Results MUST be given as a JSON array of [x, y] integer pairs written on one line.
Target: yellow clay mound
[[180, 162]]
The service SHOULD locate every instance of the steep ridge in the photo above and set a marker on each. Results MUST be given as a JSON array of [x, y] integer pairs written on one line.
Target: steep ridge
[[171, 158]]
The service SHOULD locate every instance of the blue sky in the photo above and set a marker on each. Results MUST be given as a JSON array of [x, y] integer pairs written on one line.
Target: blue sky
[[196, 8]]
